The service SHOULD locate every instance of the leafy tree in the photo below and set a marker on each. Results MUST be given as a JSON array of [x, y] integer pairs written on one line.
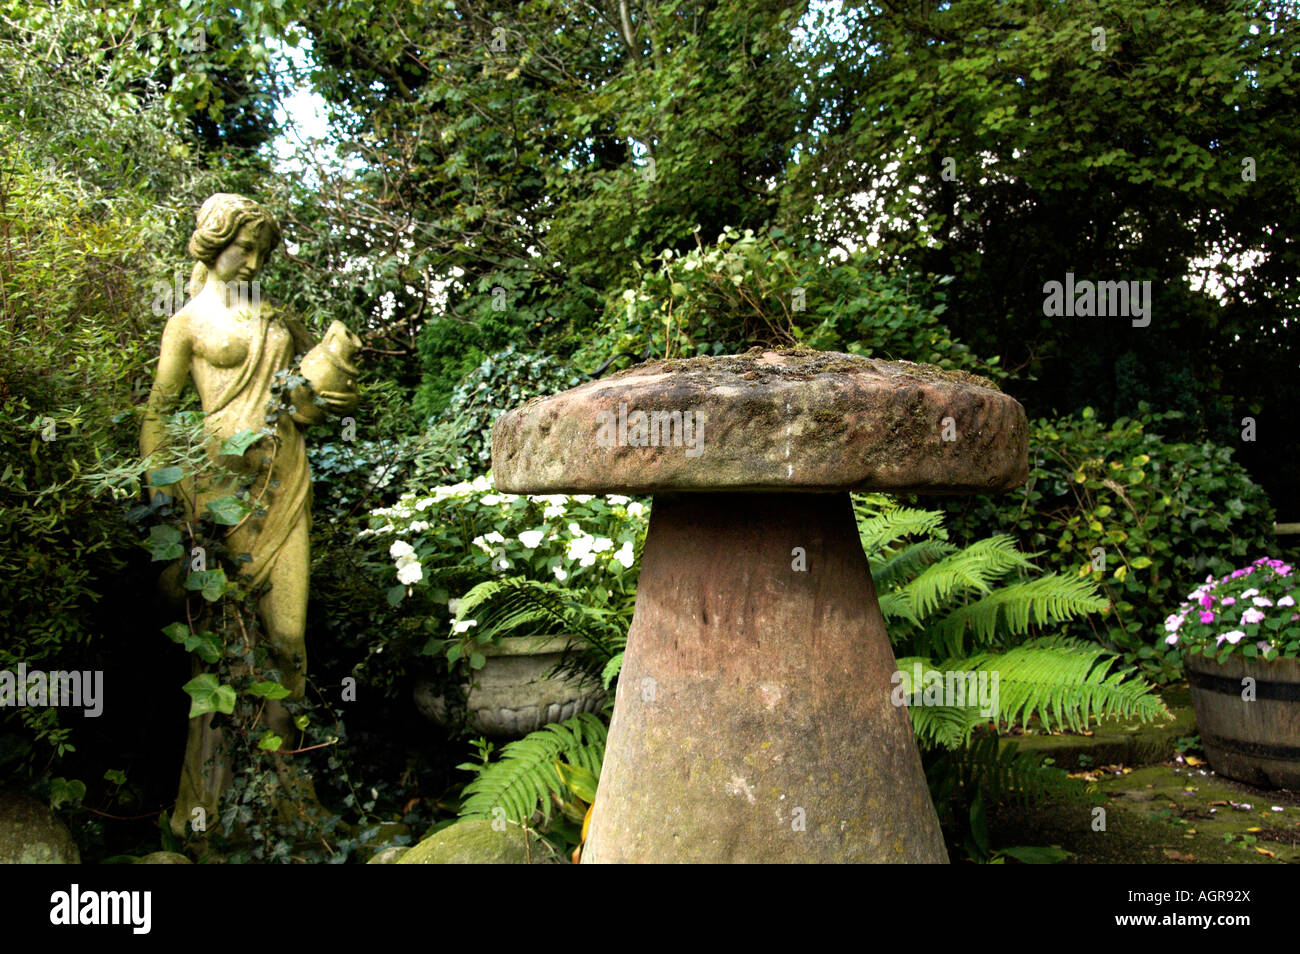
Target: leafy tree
[[1007, 144]]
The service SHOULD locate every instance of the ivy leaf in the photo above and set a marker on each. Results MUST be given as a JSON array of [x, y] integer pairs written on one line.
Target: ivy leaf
[[208, 695], [268, 690], [228, 511], [66, 792], [237, 444], [270, 742], [211, 583], [164, 543], [205, 644]]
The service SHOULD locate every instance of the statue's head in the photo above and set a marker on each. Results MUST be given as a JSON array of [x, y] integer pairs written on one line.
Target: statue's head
[[233, 237]]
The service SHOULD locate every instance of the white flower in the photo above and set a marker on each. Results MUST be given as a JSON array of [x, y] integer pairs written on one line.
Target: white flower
[[501, 563], [495, 537], [1262, 601], [617, 500], [560, 573], [1252, 616], [583, 498], [400, 549], [1249, 593], [480, 484], [587, 560], [419, 526], [531, 538], [635, 508], [490, 500], [551, 511], [463, 626], [601, 544], [1234, 637], [624, 555], [1286, 601], [482, 544], [579, 548], [409, 573]]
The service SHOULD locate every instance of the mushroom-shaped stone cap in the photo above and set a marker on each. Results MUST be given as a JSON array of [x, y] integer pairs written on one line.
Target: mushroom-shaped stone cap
[[788, 421]]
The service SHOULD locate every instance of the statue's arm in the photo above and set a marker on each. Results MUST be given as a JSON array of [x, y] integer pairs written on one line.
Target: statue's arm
[[169, 381]]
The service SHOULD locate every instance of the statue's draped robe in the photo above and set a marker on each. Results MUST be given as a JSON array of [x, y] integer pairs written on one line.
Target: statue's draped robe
[[282, 484], [282, 488]]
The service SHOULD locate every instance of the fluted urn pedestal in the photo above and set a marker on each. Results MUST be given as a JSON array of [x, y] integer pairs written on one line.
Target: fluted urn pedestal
[[753, 720]]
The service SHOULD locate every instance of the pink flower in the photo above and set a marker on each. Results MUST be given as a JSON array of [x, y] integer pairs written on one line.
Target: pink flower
[[1172, 622], [1207, 601], [1249, 593], [1252, 616], [1262, 601], [1207, 617], [1171, 639], [1286, 601], [1229, 601]]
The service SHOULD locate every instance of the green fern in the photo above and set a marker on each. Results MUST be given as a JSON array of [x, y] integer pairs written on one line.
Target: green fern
[[522, 781], [1066, 683], [999, 772], [1008, 610], [1063, 682], [517, 606]]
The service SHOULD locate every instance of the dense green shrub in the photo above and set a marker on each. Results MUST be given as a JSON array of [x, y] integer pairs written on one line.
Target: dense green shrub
[[775, 289], [458, 440], [1137, 514]]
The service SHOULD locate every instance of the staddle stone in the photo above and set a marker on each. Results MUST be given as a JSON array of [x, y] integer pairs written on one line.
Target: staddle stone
[[753, 721]]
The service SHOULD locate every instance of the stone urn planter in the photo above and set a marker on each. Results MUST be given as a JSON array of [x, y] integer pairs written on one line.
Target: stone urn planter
[[753, 721], [513, 694], [1257, 740]]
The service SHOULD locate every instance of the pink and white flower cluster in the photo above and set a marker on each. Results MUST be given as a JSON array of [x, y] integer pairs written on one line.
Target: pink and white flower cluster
[[1253, 606]]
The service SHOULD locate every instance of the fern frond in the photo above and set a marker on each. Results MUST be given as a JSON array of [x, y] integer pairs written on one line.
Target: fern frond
[[522, 780], [517, 606], [1007, 611], [895, 569], [974, 568], [892, 525], [1065, 683], [513, 606], [1000, 772]]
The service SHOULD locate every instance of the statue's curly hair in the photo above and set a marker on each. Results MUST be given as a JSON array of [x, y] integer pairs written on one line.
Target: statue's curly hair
[[219, 220]]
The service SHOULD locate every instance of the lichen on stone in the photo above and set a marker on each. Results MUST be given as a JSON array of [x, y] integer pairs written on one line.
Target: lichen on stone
[[810, 362]]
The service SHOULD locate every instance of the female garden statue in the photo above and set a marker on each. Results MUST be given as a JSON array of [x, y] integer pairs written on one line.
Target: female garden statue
[[232, 344]]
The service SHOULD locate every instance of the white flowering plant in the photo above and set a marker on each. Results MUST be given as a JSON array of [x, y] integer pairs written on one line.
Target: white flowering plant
[[491, 564], [1251, 611]]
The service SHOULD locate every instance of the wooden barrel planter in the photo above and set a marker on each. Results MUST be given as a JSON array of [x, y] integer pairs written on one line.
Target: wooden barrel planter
[[1258, 741]]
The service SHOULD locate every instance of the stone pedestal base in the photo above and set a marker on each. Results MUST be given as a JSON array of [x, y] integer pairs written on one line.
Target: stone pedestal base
[[753, 721]]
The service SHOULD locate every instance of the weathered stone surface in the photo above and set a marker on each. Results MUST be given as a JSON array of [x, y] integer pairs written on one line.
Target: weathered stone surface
[[473, 841], [794, 420], [31, 834], [515, 693], [163, 858], [753, 720], [389, 856]]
